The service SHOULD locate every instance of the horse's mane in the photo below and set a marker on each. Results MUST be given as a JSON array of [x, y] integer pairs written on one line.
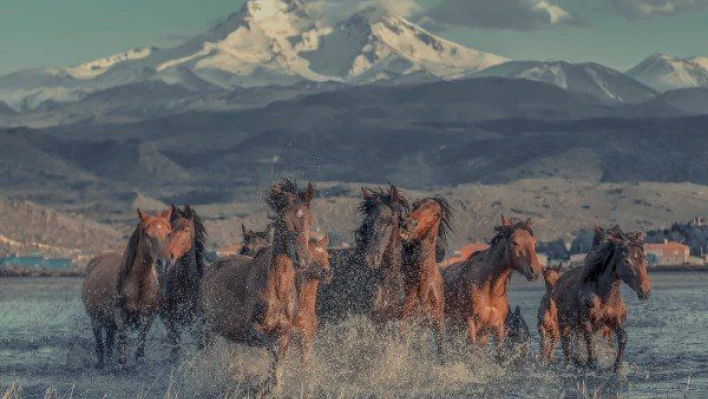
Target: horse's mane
[[131, 252], [200, 234], [506, 231], [600, 257], [378, 197], [445, 230], [274, 198]]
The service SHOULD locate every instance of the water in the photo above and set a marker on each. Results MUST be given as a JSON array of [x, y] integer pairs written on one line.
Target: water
[[42, 324]]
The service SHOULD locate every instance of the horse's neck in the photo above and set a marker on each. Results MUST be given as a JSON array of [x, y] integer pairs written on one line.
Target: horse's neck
[[421, 255], [608, 284], [392, 259], [497, 272]]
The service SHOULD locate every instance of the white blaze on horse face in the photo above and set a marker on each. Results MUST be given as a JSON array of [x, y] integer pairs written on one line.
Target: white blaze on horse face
[[300, 214], [319, 250]]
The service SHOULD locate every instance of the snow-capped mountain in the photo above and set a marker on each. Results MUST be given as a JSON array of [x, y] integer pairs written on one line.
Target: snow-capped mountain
[[597, 80], [266, 43], [664, 72]]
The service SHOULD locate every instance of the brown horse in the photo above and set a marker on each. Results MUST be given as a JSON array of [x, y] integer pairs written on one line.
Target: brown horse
[[368, 279], [254, 301], [548, 330], [254, 241], [425, 234], [308, 283], [126, 291], [588, 298], [476, 289], [182, 305]]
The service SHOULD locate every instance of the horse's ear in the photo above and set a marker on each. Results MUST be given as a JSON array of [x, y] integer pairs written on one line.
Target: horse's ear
[[395, 195], [142, 215], [559, 267], [518, 310], [366, 193], [188, 211], [505, 221], [243, 229], [308, 194], [268, 227], [167, 214], [529, 223], [323, 242]]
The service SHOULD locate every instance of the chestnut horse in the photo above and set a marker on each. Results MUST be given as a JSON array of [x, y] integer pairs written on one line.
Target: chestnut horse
[[254, 241], [476, 289], [254, 301], [182, 305], [548, 330], [308, 283], [588, 298], [121, 292], [368, 279], [425, 233]]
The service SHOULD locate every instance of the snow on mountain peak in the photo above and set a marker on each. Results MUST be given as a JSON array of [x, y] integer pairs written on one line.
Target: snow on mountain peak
[[92, 69], [664, 72]]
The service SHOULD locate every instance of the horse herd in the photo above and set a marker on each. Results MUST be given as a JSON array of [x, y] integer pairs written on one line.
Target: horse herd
[[283, 281]]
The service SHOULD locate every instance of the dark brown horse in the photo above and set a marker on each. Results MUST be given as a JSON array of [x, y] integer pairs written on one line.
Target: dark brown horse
[[308, 283], [182, 305], [121, 292], [425, 234], [368, 279], [254, 241], [588, 298], [254, 301], [476, 289]]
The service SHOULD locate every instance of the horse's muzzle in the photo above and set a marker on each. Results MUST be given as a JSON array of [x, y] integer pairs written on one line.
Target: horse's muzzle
[[643, 295], [531, 274]]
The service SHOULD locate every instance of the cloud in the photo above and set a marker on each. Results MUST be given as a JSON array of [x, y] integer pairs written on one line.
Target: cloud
[[338, 10], [523, 15], [637, 9]]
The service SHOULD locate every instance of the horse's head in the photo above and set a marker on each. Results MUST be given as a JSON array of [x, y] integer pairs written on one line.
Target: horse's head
[[154, 231], [383, 212], [520, 247], [429, 216], [631, 262], [320, 266], [293, 220], [181, 239], [254, 241], [551, 274]]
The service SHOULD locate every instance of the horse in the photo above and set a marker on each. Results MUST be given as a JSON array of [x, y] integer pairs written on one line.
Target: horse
[[588, 298], [254, 241], [182, 302], [548, 329], [425, 233], [368, 279], [121, 292], [253, 301], [308, 283], [476, 289]]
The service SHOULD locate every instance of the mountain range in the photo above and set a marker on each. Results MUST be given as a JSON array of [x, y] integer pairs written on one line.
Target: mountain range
[[276, 50]]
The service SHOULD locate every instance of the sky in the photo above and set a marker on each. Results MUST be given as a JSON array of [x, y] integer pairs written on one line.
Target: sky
[[617, 33]]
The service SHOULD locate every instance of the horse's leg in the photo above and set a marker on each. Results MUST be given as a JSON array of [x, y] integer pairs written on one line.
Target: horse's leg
[[621, 345], [142, 338], [545, 345], [472, 331], [97, 329], [439, 331], [566, 336], [587, 333], [122, 345], [278, 350], [173, 334], [406, 312], [110, 341], [499, 336]]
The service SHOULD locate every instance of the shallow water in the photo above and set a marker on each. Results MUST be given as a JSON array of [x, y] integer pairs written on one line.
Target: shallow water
[[42, 324]]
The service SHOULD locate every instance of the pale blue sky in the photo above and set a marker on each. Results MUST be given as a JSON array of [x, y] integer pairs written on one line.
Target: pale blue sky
[[36, 33]]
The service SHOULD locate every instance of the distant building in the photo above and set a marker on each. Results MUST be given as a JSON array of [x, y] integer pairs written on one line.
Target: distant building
[[667, 253]]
